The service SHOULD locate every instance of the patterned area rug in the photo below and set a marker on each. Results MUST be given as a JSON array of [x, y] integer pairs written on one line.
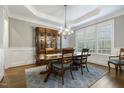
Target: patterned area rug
[[35, 80]]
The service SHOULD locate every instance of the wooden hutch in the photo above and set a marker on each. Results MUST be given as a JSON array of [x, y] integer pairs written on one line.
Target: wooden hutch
[[47, 38]]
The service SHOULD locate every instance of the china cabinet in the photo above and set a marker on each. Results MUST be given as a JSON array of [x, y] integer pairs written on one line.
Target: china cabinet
[[47, 38]]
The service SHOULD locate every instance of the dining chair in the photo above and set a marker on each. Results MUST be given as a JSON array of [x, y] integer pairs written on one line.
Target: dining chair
[[118, 61], [82, 60], [48, 51], [65, 63]]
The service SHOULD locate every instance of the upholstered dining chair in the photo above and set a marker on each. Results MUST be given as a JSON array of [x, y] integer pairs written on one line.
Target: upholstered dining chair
[[118, 61], [82, 60], [48, 51], [65, 63]]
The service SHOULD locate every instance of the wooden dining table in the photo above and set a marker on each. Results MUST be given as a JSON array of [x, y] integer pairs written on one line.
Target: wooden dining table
[[49, 58]]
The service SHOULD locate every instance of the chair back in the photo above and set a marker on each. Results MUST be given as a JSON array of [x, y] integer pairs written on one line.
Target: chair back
[[121, 55], [85, 52], [67, 55], [50, 51], [84, 55]]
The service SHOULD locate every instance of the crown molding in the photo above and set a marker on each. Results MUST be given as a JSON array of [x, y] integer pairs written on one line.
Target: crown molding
[[100, 19], [50, 21], [43, 15], [35, 21], [84, 18]]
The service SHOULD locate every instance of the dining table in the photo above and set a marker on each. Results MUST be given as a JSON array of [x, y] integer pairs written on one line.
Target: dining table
[[49, 58]]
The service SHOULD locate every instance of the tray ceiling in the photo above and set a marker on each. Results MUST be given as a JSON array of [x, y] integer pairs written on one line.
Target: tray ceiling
[[54, 14]]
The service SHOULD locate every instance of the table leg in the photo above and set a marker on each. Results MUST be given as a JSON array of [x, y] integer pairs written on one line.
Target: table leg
[[47, 76], [44, 72], [49, 72]]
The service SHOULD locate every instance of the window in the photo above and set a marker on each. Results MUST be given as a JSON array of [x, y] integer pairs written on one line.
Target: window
[[98, 38], [90, 39], [86, 38], [104, 34]]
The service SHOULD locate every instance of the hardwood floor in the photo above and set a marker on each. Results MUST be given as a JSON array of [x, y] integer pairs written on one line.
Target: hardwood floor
[[3, 83], [15, 78], [110, 80]]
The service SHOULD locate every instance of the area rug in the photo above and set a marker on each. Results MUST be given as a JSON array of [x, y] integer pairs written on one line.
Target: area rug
[[35, 80]]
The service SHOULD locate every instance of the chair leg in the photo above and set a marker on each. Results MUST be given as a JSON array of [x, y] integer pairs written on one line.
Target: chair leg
[[109, 66], [81, 69], [71, 72], [116, 68], [120, 68], [62, 77], [76, 67], [87, 67]]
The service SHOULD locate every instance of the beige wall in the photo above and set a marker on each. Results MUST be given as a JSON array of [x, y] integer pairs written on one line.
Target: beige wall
[[1, 26], [1, 42], [119, 32], [21, 49], [21, 33]]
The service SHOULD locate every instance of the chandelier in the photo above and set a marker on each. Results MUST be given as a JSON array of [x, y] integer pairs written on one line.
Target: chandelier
[[66, 31]]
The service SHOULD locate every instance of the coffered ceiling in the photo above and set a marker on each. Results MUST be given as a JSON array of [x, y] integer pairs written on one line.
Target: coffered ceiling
[[53, 15]]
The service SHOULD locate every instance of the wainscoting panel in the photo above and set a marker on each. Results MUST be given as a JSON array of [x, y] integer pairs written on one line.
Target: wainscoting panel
[[24, 56], [99, 59], [19, 56]]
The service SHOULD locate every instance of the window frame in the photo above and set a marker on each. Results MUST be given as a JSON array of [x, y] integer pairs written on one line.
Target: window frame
[[95, 26]]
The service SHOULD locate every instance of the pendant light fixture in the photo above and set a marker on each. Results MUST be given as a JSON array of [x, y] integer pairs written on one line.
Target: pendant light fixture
[[66, 31]]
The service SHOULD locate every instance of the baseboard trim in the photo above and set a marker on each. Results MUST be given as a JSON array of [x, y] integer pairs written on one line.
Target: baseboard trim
[[20, 66], [2, 79], [97, 64], [43, 64]]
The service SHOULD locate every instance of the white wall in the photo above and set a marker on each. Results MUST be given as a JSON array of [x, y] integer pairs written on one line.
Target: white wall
[[21, 33], [1, 26], [16, 56], [1, 64], [21, 50], [1, 42], [118, 42], [19, 56], [69, 41], [119, 32], [72, 40], [98, 59], [65, 42]]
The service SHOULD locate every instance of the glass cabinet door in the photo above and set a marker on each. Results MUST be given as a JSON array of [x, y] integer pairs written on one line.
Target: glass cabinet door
[[42, 34], [53, 40], [48, 39], [58, 42]]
